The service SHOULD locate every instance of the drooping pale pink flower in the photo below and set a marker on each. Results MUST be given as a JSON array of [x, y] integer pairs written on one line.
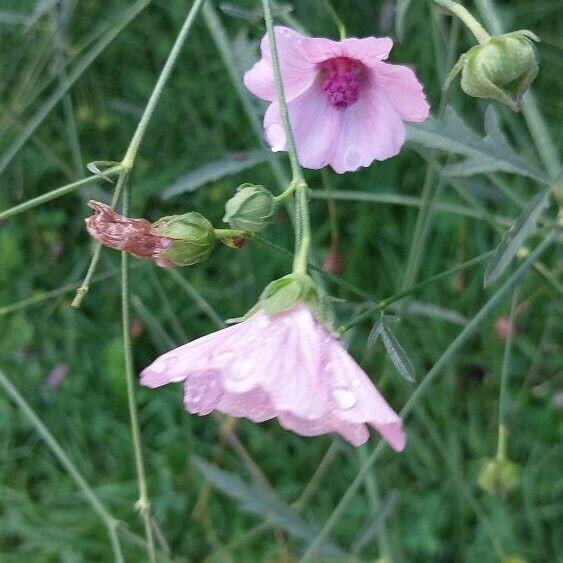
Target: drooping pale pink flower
[[286, 366], [346, 105]]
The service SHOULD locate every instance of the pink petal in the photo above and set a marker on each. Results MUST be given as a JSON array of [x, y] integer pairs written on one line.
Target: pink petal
[[210, 351], [369, 50], [403, 90], [254, 405], [202, 392], [357, 401], [297, 72], [315, 124], [371, 129]]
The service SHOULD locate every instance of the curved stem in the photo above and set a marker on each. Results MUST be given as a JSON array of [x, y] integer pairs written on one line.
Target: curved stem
[[444, 359], [465, 16], [53, 194], [501, 447], [109, 521], [131, 154], [143, 504], [298, 183]]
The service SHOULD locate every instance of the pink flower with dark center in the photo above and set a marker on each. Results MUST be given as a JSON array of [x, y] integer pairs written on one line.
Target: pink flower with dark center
[[346, 105], [286, 366], [134, 236]]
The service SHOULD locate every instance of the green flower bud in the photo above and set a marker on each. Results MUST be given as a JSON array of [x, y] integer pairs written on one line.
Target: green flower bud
[[282, 294], [501, 69], [499, 476], [250, 209], [192, 235]]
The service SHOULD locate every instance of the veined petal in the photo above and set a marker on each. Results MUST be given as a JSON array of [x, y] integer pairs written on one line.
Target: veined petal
[[369, 50], [208, 352], [315, 124], [403, 90], [356, 400], [371, 129], [297, 72]]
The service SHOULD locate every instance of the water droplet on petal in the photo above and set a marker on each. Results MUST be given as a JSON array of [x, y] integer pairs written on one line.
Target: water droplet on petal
[[241, 369], [345, 399]]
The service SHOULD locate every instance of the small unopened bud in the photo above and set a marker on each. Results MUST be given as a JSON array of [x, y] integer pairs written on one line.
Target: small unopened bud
[[193, 238], [499, 476], [501, 69], [250, 209], [334, 262], [179, 240]]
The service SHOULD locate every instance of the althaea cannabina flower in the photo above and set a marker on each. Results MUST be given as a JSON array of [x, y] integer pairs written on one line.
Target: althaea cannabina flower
[[285, 365], [346, 105]]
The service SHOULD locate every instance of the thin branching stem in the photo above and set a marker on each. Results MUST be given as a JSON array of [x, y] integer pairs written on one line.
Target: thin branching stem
[[302, 226], [143, 503], [109, 521], [436, 369], [502, 399], [465, 16]]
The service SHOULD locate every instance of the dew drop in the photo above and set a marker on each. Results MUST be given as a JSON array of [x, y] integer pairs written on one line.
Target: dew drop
[[345, 399], [241, 369]]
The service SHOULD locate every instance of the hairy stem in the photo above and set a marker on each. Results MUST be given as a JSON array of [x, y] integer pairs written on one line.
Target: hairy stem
[[143, 503], [465, 16], [302, 227]]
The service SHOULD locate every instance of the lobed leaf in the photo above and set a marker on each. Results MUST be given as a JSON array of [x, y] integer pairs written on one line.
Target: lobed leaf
[[491, 153], [397, 353], [256, 500], [515, 237], [215, 170]]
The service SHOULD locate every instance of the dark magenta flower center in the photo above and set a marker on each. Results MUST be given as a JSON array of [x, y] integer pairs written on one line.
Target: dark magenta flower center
[[341, 81]]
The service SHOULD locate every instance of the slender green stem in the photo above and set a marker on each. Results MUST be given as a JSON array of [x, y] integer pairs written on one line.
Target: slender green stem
[[221, 40], [131, 154], [53, 194], [465, 16], [303, 227], [502, 400], [336, 19], [129, 159], [143, 504], [436, 369], [84, 288], [200, 301], [382, 305], [224, 234], [72, 77], [109, 521]]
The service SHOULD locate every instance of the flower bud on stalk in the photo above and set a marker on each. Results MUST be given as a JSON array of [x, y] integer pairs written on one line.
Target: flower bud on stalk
[[178, 240], [251, 209], [501, 69], [499, 476]]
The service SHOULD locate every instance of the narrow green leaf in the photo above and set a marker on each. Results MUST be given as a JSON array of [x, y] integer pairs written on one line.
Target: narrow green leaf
[[489, 154], [398, 356], [515, 237], [257, 500], [401, 10], [213, 171]]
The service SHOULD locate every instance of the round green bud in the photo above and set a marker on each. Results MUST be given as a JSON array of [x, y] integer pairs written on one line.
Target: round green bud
[[250, 209], [499, 476], [192, 235], [502, 68]]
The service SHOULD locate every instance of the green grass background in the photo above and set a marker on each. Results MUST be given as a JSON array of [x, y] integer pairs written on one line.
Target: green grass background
[[423, 505]]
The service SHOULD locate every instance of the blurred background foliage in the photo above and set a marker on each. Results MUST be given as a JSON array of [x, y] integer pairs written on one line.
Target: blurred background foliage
[[423, 505]]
